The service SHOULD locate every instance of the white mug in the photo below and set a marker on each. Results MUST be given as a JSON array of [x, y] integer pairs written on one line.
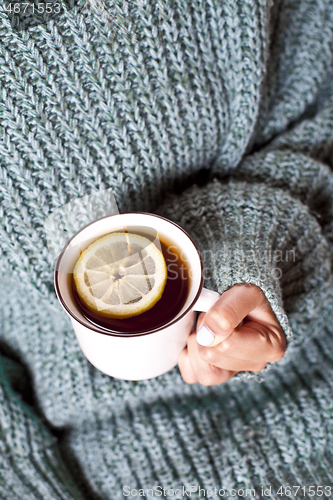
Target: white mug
[[137, 356]]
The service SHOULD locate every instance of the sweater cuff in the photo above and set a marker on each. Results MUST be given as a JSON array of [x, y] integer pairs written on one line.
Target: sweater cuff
[[250, 233], [244, 258]]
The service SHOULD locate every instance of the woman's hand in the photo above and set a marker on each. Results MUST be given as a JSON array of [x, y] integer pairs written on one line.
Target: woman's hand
[[239, 333]]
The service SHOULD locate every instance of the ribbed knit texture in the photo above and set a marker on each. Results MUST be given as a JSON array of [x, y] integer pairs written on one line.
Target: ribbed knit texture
[[219, 116]]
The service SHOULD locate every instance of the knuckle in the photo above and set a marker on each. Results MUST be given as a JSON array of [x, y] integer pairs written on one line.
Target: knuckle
[[206, 378], [278, 353], [188, 377], [225, 345], [278, 349], [185, 368], [224, 316], [207, 354]]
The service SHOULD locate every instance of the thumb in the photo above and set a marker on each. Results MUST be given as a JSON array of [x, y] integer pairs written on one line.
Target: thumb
[[228, 313]]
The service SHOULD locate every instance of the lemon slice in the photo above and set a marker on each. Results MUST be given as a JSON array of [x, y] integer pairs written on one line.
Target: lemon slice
[[120, 275]]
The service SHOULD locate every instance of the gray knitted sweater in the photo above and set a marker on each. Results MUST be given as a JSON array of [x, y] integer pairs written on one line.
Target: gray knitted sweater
[[217, 114]]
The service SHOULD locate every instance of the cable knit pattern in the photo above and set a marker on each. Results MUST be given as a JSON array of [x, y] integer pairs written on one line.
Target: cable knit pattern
[[217, 114]]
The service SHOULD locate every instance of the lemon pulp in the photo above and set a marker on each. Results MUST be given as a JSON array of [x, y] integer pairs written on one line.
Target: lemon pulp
[[120, 275]]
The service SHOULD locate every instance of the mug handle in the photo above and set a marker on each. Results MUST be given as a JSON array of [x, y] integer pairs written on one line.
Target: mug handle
[[206, 300]]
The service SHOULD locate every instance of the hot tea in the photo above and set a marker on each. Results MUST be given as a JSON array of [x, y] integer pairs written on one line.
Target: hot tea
[[167, 307]]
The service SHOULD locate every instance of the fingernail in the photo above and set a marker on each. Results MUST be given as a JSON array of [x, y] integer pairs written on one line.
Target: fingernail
[[205, 336]]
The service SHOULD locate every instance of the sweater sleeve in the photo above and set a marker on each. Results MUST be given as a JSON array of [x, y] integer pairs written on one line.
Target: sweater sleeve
[[268, 223], [269, 219]]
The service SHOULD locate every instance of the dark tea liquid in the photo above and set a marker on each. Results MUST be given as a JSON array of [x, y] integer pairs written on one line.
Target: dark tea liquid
[[173, 298]]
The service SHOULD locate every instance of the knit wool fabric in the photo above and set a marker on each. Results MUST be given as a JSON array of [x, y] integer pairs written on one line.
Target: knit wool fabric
[[218, 115]]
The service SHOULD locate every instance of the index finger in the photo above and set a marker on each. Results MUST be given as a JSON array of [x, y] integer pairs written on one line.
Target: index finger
[[228, 312], [252, 342]]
